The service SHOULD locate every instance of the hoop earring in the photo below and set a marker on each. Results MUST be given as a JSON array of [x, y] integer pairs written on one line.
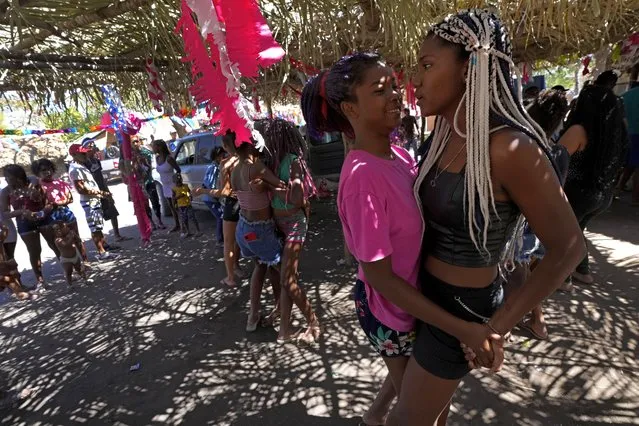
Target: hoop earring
[[459, 132]]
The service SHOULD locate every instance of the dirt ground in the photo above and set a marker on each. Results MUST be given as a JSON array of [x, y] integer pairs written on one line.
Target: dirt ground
[[70, 354]]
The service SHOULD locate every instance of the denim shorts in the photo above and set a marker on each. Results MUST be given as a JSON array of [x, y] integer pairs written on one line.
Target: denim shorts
[[438, 352], [385, 341], [531, 248], [26, 226], [258, 240]]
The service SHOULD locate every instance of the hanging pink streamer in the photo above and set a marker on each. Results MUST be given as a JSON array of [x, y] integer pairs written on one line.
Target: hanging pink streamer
[[154, 88], [209, 85], [249, 40], [137, 195], [410, 95]]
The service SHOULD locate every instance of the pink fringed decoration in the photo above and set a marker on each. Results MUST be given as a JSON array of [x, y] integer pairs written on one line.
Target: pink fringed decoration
[[410, 95], [137, 195], [209, 85], [249, 40], [155, 89]]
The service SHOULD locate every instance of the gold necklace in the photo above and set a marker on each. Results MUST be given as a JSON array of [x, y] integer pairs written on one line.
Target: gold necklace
[[439, 171]]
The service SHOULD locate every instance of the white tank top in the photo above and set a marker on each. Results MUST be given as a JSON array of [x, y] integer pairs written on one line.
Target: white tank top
[[166, 172]]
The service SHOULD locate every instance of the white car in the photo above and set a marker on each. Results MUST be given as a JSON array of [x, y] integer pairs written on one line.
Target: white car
[[193, 155]]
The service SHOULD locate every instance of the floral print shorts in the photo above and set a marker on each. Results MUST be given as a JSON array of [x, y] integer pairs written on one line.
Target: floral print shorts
[[386, 341]]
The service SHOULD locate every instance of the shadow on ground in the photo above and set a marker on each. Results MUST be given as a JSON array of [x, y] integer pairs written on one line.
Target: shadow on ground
[[163, 308]]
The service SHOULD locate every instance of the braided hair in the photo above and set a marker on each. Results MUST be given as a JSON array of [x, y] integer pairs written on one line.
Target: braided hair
[[323, 94], [282, 138], [601, 114], [549, 110], [490, 98]]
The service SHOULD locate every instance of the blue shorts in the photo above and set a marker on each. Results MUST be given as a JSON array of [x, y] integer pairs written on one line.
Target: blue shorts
[[26, 226], [531, 248], [93, 212], [63, 214], [258, 240]]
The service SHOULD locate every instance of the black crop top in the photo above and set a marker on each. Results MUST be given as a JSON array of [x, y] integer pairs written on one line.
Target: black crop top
[[447, 235]]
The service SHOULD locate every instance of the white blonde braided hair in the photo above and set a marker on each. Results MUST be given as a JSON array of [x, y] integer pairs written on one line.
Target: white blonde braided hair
[[489, 95]]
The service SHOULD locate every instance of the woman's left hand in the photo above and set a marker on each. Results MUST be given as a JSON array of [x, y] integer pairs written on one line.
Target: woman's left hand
[[497, 345]]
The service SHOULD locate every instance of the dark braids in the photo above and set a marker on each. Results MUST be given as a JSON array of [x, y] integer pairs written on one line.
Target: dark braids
[[282, 138], [323, 94]]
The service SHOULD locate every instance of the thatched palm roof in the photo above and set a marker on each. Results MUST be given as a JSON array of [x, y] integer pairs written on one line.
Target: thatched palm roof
[[72, 35]]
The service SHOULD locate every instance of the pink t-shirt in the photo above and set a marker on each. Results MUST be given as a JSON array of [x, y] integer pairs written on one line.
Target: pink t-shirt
[[380, 218], [56, 190]]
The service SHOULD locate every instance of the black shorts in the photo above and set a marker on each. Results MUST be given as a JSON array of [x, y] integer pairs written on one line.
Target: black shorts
[[108, 209], [231, 210], [438, 352], [386, 341]]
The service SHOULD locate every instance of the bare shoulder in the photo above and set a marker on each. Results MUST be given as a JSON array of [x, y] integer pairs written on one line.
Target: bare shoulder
[[512, 150]]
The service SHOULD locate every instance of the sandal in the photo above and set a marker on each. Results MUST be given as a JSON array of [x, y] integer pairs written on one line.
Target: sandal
[[290, 338], [269, 320], [252, 326], [527, 325], [122, 238], [567, 287], [311, 335], [228, 283], [583, 278]]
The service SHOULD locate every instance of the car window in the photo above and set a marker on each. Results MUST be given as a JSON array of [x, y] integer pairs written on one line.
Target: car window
[[186, 152], [205, 145], [326, 138]]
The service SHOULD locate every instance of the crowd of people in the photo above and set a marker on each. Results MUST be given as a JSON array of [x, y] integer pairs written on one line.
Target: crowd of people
[[454, 251]]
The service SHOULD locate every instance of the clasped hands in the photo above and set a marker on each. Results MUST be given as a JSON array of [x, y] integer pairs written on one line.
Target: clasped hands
[[483, 347]]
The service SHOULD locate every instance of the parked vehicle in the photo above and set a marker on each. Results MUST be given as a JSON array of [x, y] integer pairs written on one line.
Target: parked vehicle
[[193, 155], [109, 153], [326, 155]]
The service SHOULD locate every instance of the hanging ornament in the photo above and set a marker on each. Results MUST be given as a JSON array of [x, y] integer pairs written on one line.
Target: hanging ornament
[[256, 101], [585, 62], [155, 89], [217, 75], [249, 41], [525, 73]]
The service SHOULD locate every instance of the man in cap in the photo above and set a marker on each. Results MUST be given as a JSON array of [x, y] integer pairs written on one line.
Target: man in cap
[[108, 206], [90, 198]]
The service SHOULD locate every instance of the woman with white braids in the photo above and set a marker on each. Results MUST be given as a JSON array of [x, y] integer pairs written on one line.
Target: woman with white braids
[[488, 164]]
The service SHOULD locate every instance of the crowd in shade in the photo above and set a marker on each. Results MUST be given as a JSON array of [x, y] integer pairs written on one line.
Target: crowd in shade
[[453, 251]]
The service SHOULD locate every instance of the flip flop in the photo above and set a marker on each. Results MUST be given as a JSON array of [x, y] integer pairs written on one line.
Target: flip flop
[[252, 326], [290, 339], [269, 320], [226, 282], [525, 325]]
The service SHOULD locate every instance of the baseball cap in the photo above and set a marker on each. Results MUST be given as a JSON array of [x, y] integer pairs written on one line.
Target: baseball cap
[[76, 148], [87, 141]]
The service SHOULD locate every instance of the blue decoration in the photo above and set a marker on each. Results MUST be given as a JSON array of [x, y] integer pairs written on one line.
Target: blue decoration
[[114, 108]]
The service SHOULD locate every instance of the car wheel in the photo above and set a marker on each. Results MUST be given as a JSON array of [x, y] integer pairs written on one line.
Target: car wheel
[[164, 204]]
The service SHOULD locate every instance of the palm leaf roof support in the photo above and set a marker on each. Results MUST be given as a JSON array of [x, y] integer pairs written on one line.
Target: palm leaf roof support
[[314, 31]]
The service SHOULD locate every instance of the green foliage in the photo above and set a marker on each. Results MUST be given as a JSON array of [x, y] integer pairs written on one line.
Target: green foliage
[[559, 75], [71, 117]]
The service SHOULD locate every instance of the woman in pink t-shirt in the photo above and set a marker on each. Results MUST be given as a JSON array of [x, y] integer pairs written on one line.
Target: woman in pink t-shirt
[[59, 197], [381, 219]]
